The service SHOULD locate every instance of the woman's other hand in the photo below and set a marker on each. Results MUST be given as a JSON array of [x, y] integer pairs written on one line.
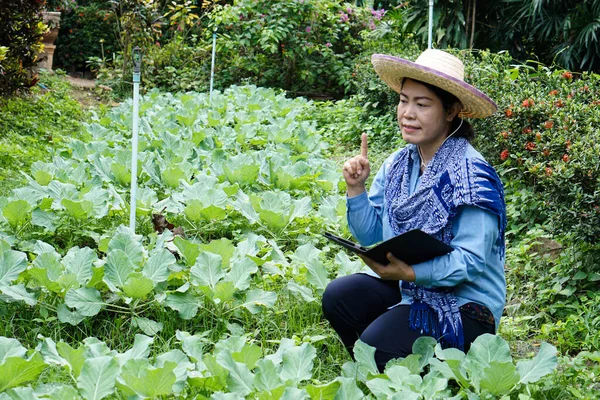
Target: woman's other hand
[[396, 270], [357, 169]]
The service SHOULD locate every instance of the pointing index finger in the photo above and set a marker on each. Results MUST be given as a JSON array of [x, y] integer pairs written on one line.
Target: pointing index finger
[[363, 145]]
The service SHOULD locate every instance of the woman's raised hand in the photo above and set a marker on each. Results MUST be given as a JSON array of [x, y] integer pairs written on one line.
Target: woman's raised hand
[[357, 169]]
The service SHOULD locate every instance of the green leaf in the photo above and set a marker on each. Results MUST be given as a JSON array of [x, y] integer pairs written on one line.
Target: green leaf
[[433, 387], [348, 389], [87, 301], [15, 371], [542, 364], [118, 268], [157, 266], [97, 378], [16, 212], [121, 173], [67, 316], [188, 250], [42, 177], [317, 274], [12, 263], [499, 378], [266, 378], [487, 348], [129, 243], [10, 348], [242, 169], [365, 359], [298, 363], [147, 326], [56, 391], [80, 210], [249, 355], [325, 392], [211, 206], [45, 219], [74, 357], [241, 273], [222, 247], [15, 293], [425, 347], [192, 345], [80, 262], [186, 304], [256, 299], [304, 292], [172, 175], [224, 291], [147, 381], [138, 286], [207, 270], [183, 367], [239, 379]]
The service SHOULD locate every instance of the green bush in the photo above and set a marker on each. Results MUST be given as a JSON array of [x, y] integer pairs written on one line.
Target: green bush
[[372, 92], [85, 31], [21, 30], [301, 46], [544, 135]]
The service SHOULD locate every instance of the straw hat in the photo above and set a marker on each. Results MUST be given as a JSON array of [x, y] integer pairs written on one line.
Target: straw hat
[[440, 69]]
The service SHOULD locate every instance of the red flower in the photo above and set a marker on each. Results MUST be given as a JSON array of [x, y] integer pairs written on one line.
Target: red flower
[[508, 113], [538, 136], [526, 130], [548, 171], [549, 124], [504, 135], [553, 92], [530, 146], [570, 96], [565, 157], [567, 75], [504, 154], [559, 103], [527, 103], [546, 152]]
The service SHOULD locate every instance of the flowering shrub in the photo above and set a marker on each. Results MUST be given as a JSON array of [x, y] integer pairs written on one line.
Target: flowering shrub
[[301, 46], [544, 135]]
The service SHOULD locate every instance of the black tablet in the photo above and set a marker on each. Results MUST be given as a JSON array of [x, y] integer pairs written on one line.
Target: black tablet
[[412, 247]]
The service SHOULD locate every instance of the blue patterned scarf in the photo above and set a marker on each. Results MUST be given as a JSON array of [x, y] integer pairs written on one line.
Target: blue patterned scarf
[[449, 181]]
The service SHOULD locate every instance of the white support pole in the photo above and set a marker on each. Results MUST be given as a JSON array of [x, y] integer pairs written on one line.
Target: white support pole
[[430, 38], [137, 59], [212, 66]]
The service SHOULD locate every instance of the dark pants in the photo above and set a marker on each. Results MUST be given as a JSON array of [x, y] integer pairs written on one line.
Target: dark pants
[[357, 307]]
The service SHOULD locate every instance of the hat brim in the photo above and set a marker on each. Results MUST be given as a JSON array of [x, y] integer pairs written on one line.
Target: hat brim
[[392, 70]]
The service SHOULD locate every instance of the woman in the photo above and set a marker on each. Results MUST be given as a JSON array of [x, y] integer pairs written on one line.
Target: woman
[[440, 184]]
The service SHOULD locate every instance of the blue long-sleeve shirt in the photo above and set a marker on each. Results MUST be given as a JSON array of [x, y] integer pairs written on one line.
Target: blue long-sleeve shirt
[[476, 266]]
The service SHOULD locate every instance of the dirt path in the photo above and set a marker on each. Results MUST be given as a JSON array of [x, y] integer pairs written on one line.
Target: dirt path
[[85, 91]]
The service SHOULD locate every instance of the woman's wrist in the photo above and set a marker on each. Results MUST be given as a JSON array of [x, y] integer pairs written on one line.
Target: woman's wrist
[[353, 191]]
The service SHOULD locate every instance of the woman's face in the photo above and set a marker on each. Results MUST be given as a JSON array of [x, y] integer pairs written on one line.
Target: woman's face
[[422, 117]]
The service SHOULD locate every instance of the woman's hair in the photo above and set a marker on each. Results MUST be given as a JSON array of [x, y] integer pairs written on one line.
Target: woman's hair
[[448, 100]]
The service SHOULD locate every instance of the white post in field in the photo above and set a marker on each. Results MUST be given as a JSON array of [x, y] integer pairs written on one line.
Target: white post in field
[[137, 65], [430, 39]]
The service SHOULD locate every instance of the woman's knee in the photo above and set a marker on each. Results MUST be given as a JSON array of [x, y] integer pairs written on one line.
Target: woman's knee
[[335, 293]]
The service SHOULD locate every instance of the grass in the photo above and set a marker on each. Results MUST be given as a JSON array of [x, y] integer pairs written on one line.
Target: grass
[[34, 125]]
